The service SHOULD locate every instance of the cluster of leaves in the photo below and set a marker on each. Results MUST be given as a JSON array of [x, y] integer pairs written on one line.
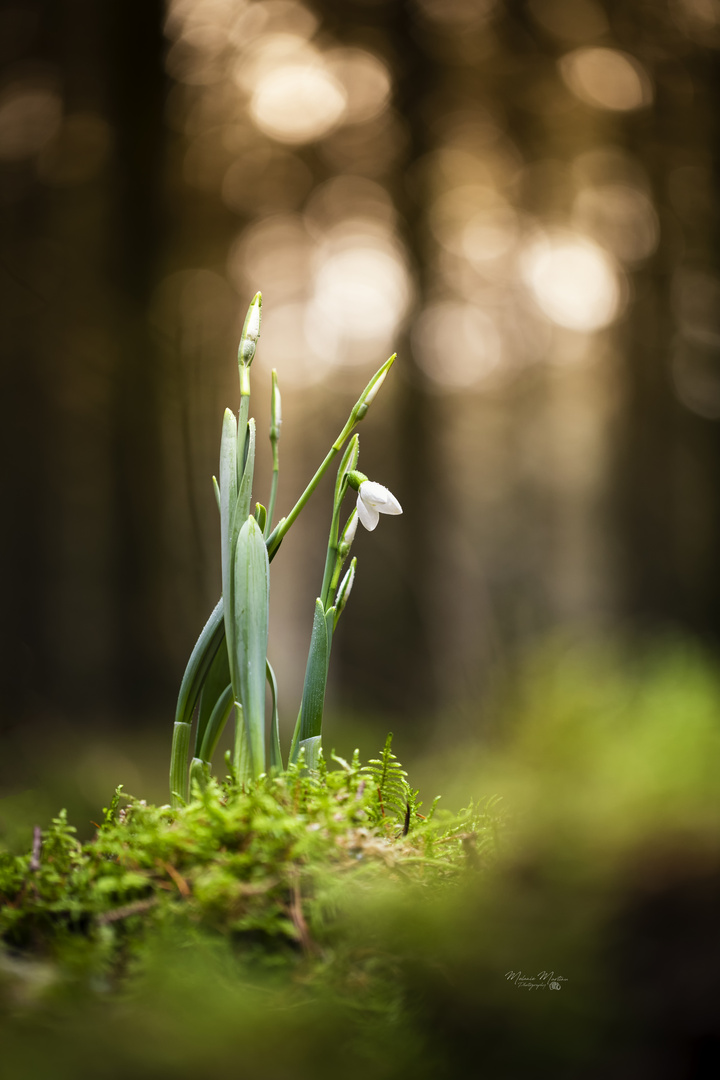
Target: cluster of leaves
[[264, 865]]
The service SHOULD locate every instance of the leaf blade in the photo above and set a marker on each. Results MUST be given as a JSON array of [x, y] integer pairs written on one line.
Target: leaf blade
[[251, 619]]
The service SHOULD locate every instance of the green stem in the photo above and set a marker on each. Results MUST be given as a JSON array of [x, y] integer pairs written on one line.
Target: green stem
[[357, 413], [334, 581], [273, 487], [273, 540], [243, 413], [348, 463]]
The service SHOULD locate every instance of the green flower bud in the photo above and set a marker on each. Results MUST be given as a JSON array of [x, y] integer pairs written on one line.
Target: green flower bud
[[251, 332]]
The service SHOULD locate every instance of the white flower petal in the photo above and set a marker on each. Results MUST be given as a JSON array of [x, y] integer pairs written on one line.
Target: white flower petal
[[392, 506], [368, 515], [379, 498], [373, 494]]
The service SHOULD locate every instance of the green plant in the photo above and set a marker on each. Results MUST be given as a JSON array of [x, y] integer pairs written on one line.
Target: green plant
[[228, 668]]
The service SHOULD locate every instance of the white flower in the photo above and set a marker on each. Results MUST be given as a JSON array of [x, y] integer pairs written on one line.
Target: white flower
[[374, 500]]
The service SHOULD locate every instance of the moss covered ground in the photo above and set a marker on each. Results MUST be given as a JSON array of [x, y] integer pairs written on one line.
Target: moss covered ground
[[312, 927]]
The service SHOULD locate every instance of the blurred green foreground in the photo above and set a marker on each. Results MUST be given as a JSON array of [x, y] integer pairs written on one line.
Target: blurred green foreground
[[588, 945]]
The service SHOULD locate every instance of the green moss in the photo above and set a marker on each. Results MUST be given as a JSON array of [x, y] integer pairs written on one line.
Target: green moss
[[268, 866]]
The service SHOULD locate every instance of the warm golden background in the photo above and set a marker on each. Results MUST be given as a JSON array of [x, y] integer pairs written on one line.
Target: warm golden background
[[518, 197]]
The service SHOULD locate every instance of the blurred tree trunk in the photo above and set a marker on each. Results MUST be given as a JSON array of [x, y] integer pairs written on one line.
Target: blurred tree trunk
[[136, 84], [666, 478]]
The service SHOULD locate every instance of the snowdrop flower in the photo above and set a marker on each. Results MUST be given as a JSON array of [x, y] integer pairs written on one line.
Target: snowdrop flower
[[372, 501]]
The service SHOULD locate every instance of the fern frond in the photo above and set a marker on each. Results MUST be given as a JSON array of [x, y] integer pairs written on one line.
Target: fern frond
[[396, 799]]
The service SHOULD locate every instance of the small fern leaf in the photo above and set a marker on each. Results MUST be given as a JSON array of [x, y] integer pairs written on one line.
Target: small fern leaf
[[388, 777]]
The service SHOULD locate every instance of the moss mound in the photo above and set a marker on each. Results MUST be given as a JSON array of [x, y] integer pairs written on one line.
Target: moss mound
[[316, 927], [267, 867]]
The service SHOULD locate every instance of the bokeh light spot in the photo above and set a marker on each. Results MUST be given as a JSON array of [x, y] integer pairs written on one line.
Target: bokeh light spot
[[275, 253], [300, 348], [345, 197], [457, 345], [297, 103], [361, 284], [487, 237], [365, 79], [607, 79], [573, 281], [29, 118]]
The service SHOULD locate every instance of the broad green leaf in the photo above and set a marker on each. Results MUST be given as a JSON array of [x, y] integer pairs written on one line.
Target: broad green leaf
[[251, 617]]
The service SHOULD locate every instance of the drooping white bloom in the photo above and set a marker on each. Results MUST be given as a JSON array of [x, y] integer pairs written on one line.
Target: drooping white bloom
[[372, 501]]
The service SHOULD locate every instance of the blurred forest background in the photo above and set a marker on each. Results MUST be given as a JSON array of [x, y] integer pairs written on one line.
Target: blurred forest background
[[519, 197]]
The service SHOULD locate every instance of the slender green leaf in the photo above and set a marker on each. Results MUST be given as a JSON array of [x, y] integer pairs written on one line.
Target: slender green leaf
[[313, 698], [228, 505], [240, 759], [242, 433], [179, 764], [251, 610], [216, 724], [329, 626], [275, 752], [199, 774], [294, 749], [200, 660], [216, 680], [311, 747], [260, 516], [244, 496]]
